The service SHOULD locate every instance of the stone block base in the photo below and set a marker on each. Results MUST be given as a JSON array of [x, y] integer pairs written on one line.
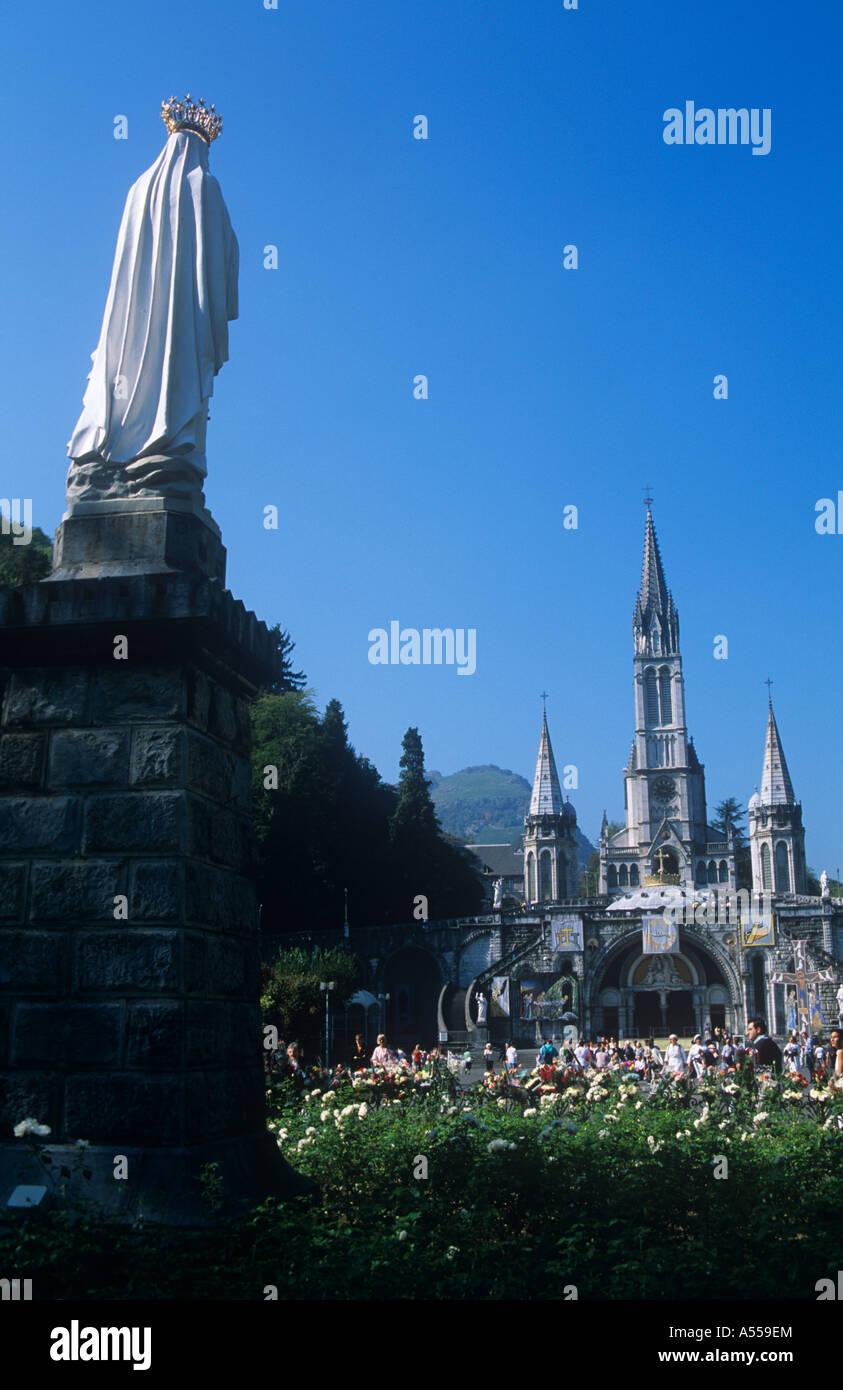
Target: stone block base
[[113, 543], [129, 955]]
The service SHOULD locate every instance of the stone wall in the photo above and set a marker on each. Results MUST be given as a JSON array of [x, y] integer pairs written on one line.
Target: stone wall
[[129, 968]]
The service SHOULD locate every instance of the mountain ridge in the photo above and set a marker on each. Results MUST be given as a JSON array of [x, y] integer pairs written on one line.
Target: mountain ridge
[[486, 804]]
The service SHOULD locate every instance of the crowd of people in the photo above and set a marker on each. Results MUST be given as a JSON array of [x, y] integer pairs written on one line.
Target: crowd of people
[[287, 1060], [716, 1054]]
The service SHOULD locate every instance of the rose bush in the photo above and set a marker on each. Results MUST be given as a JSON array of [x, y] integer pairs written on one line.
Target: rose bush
[[499, 1192]]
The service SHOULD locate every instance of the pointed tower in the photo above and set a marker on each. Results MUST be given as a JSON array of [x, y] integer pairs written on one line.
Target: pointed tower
[[776, 833], [665, 838], [551, 870]]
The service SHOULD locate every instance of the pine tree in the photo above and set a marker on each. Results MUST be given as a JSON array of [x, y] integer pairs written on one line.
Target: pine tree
[[289, 679], [729, 813], [414, 820], [728, 816], [425, 861]]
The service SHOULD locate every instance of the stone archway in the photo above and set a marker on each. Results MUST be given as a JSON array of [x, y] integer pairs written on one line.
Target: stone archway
[[681, 992]]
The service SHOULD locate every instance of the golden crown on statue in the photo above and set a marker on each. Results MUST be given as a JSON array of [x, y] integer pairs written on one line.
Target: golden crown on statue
[[191, 115]]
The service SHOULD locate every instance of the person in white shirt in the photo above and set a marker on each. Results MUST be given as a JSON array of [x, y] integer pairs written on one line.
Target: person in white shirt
[[675, 1056], [696, 1059], [791, 1054], [582, 1055], [511, 1057]]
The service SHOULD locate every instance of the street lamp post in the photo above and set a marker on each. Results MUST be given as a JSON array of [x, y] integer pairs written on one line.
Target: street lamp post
[[327, 987], [383, 999]]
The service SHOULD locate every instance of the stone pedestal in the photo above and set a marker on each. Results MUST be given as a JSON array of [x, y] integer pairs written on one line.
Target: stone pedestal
[[153, 536], [129, 968]]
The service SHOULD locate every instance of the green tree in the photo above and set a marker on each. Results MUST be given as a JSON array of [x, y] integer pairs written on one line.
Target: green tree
[[729, 815], [414, 819], [291, 998], [325, 824], [289, 679], [25, 564], [428, 863]]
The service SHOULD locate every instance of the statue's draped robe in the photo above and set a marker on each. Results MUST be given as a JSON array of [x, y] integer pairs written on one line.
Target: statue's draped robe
[[164, 335]]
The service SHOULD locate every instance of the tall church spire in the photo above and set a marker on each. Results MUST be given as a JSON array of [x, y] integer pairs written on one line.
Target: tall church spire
[[547, 797], [776, 786], [655, 620], [776, 832], [666, 837], [551, 868], [653, 587]]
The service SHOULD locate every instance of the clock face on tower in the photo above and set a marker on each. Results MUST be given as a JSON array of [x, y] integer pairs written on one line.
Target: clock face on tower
[[663, 789]]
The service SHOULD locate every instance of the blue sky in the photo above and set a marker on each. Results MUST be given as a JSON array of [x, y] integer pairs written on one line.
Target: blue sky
[[547, 387]]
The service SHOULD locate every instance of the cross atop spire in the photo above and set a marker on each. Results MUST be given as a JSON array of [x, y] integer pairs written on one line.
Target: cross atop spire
[[544, 700], [547, 793]]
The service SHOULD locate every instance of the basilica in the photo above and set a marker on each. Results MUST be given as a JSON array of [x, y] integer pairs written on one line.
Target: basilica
[[662, 940]]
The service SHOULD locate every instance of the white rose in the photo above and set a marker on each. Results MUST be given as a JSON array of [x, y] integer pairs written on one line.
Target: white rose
[[31, 1126]]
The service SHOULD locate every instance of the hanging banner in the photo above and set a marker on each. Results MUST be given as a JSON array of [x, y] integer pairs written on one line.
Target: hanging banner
[[660, 937], [532, 999], [803, 999], [757, 929], [500, 996], [566, 933]]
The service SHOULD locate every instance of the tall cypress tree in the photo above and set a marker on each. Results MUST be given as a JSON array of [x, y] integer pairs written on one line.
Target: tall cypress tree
[[426, 862], [414, 821]]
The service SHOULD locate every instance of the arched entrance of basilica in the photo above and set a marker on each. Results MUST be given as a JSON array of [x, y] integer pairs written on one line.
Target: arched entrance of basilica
[[412, 979], [633, 995]]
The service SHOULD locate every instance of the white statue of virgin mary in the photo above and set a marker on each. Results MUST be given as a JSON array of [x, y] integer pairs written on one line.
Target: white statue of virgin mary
[[165, 330]]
